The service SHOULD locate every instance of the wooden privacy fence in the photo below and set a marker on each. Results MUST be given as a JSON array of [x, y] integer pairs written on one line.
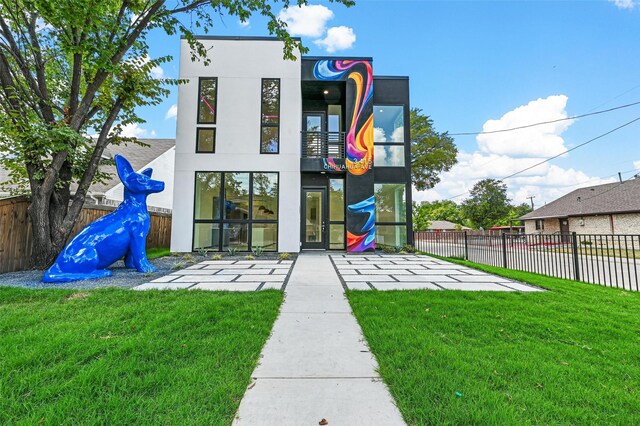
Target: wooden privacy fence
[[16, 240]]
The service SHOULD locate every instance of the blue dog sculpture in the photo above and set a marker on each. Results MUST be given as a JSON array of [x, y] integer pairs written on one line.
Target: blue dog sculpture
[[121, 233]]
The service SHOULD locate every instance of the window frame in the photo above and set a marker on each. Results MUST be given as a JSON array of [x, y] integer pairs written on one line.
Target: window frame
[[406, 221], [342, 222], [539, 224], [199, 100], [198, 151], [221, 221], [403, 143], [262, 124]]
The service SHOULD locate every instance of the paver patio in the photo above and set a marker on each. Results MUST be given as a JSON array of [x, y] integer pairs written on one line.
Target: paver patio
[[413, 272], [230, 275]]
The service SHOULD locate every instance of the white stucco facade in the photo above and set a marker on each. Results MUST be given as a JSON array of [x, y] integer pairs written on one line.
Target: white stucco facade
[[239, 66]]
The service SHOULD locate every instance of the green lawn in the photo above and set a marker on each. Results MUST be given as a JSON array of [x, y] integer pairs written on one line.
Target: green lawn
[[156, 252], [124, 357], [567, 356]]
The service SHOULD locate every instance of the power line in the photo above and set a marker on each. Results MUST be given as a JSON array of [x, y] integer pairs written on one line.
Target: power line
[[546, 122], [574, 148], [558, 155]]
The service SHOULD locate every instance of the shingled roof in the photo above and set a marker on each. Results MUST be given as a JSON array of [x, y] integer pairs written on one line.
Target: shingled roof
[[138, 156], [600, 199]]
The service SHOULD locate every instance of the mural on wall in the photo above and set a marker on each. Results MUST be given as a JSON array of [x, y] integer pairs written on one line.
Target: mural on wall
[[360, 220], [122, 233]]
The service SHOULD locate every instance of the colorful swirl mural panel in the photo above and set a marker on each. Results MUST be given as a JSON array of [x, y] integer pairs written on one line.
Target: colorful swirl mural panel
[[358, 162]]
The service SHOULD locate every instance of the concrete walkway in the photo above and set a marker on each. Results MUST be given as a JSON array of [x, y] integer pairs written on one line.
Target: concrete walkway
[[316, 364]]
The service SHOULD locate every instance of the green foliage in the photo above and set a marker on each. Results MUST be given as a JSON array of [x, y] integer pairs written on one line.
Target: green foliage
[[249, 257], [487, 204], [178, 265], [426, 212], [431, 152], [122, 357], [188, 258], [203, 251], [232, 251], [258, 251], [284, 256], [514, 213], [216, 257]]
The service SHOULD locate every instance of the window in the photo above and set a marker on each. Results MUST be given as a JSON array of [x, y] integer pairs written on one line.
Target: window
[[207, 99], [270, 116], [205, 140], [238, 210], [539, 224], [388, 135], [391, 214], [336, 214]]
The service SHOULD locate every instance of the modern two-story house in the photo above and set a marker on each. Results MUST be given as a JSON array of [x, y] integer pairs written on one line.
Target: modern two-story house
[[289, 155]]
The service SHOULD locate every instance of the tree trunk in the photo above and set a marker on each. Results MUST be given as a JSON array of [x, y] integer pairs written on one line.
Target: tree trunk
[[49, 233]]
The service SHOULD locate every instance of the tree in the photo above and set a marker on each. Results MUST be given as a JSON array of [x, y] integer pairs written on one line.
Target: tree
[[487, 204], [426, 212], [514, 213], [71, 68], [431, 152]]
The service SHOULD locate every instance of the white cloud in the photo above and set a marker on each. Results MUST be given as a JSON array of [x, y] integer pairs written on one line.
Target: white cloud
[[501, 154], [337, 38], [133, 130], [636, 165], [537, 141], [245, 24], [172, 112], [156, 72], [306, 20], [379, 135], [624, 4]]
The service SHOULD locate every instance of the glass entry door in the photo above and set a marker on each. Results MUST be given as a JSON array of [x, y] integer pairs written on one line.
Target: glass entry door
[[314, 214]]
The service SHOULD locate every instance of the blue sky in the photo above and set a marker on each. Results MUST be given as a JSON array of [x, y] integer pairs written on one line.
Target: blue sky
[[478, 65]]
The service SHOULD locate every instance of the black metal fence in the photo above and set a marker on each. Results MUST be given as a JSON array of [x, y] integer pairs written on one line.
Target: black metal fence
[[610, 260], [322, 144]]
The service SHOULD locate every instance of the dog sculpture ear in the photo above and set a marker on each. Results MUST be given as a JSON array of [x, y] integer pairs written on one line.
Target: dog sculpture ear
[[147, 172], [124, 168]]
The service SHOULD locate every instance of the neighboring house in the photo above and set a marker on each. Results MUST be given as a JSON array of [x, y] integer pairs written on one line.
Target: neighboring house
[[506, 229], [159, 155], [289, 155], [445, 226], [612, 208]]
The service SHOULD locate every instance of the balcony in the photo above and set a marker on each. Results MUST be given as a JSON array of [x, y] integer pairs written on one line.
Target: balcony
[[322, 144]]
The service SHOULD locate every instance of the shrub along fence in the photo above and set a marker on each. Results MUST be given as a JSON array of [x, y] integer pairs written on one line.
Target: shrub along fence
[[16, 239], [611, 260]]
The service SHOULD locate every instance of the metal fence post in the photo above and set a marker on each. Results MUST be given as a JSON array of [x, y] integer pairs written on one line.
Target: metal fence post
[[504, 250], [466, 246], [576, 259]]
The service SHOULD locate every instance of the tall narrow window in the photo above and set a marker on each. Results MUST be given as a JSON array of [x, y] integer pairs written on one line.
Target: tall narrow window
[[206, 140], [207, 99], [270, 116], [388, 134], [391, 214]]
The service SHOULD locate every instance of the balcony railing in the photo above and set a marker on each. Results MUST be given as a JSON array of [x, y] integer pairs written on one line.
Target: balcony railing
[[322, 144]]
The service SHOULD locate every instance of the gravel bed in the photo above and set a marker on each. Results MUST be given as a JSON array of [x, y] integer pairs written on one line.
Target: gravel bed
[[122, 277]]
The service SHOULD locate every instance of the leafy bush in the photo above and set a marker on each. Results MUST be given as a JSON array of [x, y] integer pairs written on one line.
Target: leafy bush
[[249, 257], [258, 250], [178, 265], [232, 251], [284, 256], [216, 257], [188, 258], [202, 251]]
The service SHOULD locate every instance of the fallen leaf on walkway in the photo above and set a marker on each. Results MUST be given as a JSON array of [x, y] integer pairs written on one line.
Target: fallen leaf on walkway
[[323, 422]]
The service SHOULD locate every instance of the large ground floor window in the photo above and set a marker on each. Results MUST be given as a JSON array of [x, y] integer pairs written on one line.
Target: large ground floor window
[[236, 210], [391, 214]]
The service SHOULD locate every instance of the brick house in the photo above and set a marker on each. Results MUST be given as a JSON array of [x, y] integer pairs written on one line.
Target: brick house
[[612, 208]]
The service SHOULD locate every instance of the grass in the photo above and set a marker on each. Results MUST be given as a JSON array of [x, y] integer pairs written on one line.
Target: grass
[[567, 356], [122, 357], [156, 252]]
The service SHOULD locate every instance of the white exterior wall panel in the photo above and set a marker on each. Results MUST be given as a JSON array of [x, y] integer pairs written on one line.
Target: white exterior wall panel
[[240, 67]]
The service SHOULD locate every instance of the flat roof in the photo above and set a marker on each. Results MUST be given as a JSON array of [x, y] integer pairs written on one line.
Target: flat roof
[[240, 38], [391, 77], [338, 58]]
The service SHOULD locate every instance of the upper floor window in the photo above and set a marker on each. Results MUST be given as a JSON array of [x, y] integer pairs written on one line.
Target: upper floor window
[[207, 100], [388, 135], [270, 116]]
